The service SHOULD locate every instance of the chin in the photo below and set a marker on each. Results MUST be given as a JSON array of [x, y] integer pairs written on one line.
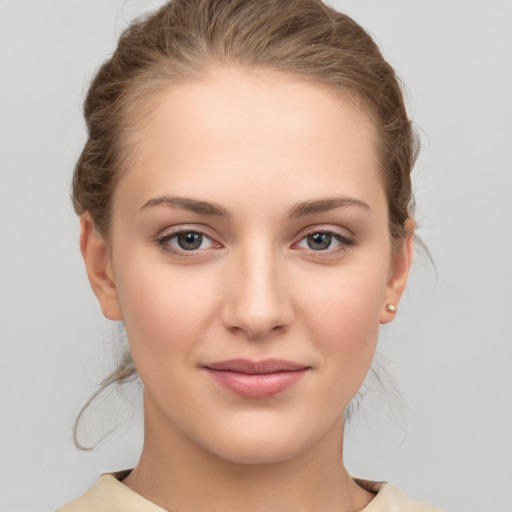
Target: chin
[[262, 444], [258, 452]]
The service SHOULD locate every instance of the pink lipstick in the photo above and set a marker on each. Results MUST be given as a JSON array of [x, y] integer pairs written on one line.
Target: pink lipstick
[[256, 379]]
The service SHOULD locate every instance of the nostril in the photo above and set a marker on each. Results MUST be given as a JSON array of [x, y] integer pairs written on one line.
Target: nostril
[[254, 333]]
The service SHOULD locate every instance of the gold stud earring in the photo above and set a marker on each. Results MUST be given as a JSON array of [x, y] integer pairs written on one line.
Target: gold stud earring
[[390, 308]]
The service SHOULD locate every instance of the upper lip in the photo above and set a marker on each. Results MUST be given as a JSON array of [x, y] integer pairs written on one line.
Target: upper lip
[[256, 367]]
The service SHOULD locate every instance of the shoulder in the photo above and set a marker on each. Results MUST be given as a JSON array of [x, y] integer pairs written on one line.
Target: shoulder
[[109, 494], [389, 499]]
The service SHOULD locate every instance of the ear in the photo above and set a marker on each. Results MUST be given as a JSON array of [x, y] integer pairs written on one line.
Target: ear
[[399, 272], [98, 263]]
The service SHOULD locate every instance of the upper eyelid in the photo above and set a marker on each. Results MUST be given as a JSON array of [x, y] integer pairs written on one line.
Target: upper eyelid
[[162, 241], [330, 229], [185, 228], [345, 238]]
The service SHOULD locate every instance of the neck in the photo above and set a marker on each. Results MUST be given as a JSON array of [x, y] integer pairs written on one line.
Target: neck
[[176, 473]]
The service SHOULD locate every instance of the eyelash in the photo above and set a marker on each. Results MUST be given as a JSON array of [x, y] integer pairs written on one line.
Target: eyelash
[[164, 245], [345, 242]]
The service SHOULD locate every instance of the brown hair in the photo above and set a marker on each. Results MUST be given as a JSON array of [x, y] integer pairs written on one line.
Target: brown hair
[[184, 38]]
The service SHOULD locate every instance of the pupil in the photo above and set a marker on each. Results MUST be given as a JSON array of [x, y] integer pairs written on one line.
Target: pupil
[[190, 241], [319, 241]]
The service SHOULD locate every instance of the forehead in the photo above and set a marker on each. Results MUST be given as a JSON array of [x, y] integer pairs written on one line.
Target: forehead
[[239, 133]]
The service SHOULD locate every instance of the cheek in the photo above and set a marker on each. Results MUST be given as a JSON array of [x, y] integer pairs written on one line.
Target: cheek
[[165, 312], [347, 302], [342, 315]]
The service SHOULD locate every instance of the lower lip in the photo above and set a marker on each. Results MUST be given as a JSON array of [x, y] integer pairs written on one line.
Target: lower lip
[[257, 386]]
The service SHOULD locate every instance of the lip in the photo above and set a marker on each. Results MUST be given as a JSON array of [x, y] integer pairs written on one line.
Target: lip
[[256, 379]]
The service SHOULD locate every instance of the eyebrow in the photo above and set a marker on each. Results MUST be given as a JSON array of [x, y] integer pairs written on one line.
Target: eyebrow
[[298, 210], [325, 205], [186, 203]]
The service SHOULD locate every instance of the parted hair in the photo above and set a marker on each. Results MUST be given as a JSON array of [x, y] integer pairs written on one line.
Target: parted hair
[[185, 39]]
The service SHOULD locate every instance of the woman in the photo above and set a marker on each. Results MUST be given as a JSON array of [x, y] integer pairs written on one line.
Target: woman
[[245, 208]]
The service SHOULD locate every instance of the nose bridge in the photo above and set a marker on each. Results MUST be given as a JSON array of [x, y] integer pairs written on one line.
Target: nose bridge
[[257, 300]]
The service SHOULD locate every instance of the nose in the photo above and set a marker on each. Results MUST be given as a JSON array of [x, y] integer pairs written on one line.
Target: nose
[[256, 295]]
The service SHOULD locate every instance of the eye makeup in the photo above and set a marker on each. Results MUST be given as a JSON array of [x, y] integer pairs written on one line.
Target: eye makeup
[[190, 242]]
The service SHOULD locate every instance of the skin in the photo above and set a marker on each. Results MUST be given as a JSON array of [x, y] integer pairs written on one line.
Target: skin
[[257, 145]]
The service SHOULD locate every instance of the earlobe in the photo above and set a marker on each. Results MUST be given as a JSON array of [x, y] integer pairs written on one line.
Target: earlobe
[[99, 268], [399, 272]]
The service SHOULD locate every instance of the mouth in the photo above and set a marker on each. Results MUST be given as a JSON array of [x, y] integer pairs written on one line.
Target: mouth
[[256, 379]]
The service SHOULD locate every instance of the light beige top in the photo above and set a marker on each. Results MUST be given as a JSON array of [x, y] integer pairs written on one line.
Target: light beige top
[[109, 494]]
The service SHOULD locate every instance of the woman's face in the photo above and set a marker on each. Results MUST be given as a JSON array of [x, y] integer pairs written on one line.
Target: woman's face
[[250, 261]]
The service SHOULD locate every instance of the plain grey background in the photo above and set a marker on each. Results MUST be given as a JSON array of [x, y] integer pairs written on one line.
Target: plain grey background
[[448, 441]]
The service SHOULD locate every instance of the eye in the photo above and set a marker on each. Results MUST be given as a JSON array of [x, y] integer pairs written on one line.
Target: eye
[[328, 241], [190, 241], [319, 241], [185, 241]]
